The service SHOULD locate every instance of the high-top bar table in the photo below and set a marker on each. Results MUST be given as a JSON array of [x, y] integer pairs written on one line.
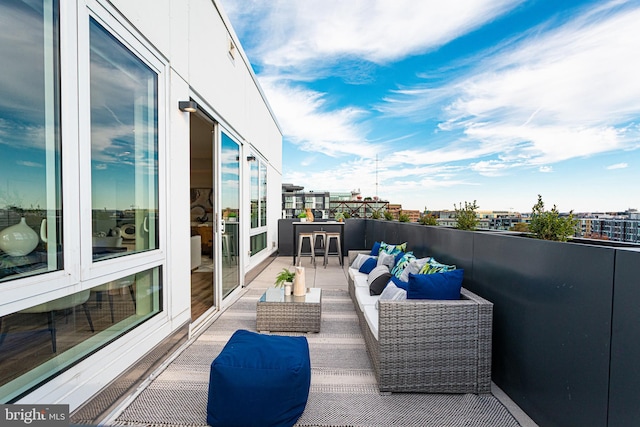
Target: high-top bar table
[[310, 227]]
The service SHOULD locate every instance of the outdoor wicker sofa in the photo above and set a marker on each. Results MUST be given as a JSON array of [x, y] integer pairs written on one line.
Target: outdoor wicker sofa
[[428, 346]]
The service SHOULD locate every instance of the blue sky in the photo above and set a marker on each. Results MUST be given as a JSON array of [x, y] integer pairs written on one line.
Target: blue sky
[[489, 100]]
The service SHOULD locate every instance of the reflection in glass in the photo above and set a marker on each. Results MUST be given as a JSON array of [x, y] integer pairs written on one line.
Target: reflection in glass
[[230, 190], [258, 194], [41, 341], [263, 194], [255, 193], [258, 243], [30, 208], [124, 149]]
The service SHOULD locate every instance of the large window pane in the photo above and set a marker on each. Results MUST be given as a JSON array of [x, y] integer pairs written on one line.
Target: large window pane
[[30, 208], [124, 149], [41, 341], [263, 194], [255, 194]]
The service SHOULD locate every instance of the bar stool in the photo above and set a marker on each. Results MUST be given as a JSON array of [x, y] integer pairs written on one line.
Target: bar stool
[[332, 235], [301, 237], [323, 239]]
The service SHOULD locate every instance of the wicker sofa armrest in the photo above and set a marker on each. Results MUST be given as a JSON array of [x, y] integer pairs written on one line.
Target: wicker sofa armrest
[[434, 346], [354, 253]]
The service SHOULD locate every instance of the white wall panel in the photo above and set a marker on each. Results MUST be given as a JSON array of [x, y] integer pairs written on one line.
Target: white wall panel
[[179, 232], [151, 18]]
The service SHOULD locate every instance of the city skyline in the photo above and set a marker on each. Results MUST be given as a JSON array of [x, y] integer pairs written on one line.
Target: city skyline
[[493, 101]]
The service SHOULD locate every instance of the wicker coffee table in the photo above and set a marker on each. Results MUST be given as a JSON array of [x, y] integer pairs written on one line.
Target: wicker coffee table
[[287, 313]]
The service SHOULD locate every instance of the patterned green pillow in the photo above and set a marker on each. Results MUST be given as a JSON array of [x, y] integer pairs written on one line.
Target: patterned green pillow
[[393, 249], [433, 266], [402, 263]]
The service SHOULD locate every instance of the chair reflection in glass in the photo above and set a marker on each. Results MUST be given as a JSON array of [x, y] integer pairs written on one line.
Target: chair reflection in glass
[[64, 304], [113, 288]]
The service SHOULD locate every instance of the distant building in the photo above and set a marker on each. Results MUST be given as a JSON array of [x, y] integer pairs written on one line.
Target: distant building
[[295, 201], [619, 227], [325, 205]]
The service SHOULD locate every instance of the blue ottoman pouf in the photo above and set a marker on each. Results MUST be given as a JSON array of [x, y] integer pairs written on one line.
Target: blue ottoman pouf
[[259, 380]]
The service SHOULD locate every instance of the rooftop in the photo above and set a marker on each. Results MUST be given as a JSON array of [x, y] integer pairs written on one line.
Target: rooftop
[[343, 385]]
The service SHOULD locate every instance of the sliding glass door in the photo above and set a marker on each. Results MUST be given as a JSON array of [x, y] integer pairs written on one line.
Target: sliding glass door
[[231, 214]]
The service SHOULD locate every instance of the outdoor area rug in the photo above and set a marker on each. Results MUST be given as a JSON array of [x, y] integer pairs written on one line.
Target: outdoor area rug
[[343, 386]]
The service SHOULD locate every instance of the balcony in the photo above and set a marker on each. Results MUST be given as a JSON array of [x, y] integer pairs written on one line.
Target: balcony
[[565, 338]]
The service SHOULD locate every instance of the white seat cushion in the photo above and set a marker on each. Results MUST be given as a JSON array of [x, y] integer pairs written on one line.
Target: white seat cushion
[[371, 315], [364, 298], [360, 280]]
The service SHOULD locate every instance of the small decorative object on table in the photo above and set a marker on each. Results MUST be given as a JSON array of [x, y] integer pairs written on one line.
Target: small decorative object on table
[[299, 285], [302, 216], [285, 278], [309, 215]]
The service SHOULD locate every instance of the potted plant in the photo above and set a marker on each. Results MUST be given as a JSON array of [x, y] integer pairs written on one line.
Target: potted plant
[[467, 218], [285, 278], [302, 216], [549, 225], [339, 216]]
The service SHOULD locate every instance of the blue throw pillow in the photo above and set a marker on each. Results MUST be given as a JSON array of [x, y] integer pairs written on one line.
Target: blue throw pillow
[[399, 283], [441, 286], [368, 266], [375, 250]]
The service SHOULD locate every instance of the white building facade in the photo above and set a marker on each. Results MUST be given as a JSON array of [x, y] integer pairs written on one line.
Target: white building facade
[[140, 179]]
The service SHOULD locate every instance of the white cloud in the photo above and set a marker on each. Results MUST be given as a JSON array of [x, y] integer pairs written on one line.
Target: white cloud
[[30, 164], [308, 123], [555, 95], [311, 31], [546, 169], [618, 166]]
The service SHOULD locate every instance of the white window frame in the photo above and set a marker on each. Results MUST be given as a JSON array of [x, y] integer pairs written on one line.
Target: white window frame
[[93, 273], [260, 229]]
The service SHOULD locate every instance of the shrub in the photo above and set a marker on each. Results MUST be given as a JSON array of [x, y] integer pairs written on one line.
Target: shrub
[[521, 227], [388, 216], [375, 215], [403, 217], [549, 225], [466, 217], [428, 220]]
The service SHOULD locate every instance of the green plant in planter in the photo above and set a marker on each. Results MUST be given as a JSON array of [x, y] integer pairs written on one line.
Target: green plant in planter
[[428, 219], [339, 216], [302, 215], [375, 215], [466, 216], [285, 275], [403, 217], [549, 225], [388, 216], [521, 227]]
